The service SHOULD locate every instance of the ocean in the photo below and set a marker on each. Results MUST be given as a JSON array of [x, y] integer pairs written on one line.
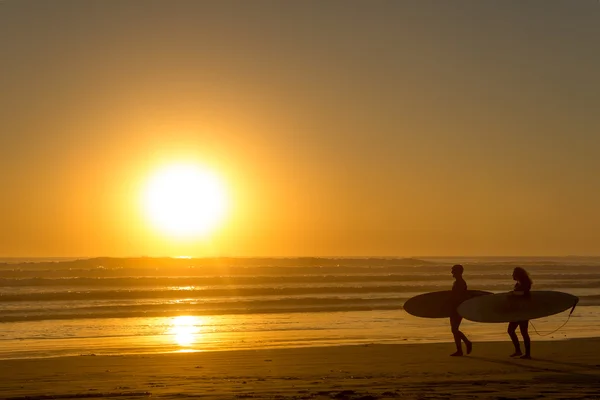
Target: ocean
[[111, 306]]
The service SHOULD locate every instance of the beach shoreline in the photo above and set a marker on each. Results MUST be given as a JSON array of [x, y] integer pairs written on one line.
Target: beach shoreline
[[563, 369]]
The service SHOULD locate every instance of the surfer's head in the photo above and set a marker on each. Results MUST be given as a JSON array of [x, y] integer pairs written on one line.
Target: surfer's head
[[457, 270], [520, 275]]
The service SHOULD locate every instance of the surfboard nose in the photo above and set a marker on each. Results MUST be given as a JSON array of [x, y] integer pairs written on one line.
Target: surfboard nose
[[574, 305]]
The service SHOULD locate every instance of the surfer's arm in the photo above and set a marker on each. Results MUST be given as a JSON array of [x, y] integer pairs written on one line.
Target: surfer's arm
[[459, 290], [524, 289], [521, 289]]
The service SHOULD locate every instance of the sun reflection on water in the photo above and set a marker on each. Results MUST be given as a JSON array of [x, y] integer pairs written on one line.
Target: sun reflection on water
[[186, 330]]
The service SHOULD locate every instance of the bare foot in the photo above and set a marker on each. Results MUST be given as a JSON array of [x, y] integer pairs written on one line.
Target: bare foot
[[457, 354], [469, 347]]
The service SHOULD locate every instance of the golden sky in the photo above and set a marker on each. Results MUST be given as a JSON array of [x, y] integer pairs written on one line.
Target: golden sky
[[339, 128]]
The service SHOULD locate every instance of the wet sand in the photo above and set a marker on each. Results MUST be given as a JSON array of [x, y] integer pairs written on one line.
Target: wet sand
[[560, 370]]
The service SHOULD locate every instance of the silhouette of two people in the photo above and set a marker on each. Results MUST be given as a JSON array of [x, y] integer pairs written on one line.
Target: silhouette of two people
[[459, 293]]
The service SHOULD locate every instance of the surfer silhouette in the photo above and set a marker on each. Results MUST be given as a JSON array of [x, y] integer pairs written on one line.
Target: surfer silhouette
[[459, 290], [522, 288]]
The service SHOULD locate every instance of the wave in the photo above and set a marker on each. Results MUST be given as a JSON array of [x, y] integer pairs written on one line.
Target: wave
[[271, 274], [187, 293], [202, 293], [214, 262], [167, 281], [222, 308], [106, 267], [260, 306]]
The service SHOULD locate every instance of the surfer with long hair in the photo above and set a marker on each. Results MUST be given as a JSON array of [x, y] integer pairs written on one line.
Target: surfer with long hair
[[459, 290], [522, 288]]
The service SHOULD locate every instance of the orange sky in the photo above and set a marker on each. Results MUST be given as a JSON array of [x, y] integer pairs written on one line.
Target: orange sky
[[340, 128]]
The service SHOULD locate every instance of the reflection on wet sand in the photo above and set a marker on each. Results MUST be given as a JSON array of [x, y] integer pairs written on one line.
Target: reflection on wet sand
[[186, 330]]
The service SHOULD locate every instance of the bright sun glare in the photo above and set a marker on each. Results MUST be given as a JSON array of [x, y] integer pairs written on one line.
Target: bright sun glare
[[185, 200], [185, 330]]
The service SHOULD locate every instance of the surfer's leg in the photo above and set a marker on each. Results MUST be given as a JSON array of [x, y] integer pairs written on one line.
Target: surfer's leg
[[467, 343], [512, 327], [455, 321], [524, 328], [462, 336]]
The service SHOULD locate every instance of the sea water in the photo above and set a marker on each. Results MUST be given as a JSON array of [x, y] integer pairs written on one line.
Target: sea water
[[63, 307]]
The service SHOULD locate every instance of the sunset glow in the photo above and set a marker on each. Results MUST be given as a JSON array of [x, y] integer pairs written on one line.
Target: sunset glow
[[387, 129]]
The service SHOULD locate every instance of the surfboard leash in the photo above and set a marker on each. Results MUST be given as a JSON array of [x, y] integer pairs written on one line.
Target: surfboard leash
[[557, 329]]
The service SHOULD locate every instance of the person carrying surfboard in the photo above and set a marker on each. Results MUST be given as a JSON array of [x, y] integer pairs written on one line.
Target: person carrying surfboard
[[522, 288], [459, 290]]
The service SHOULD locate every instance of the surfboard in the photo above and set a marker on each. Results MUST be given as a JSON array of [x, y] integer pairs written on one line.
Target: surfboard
[[507, 307], [440, 304]]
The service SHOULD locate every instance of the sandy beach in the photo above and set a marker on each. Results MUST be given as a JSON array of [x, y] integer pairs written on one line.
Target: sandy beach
[[560, 370]]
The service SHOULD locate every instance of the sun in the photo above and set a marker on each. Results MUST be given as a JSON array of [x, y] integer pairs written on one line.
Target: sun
[[185, 200]]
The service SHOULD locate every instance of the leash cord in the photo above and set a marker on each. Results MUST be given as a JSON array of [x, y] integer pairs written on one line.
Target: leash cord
[[557, 329]]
